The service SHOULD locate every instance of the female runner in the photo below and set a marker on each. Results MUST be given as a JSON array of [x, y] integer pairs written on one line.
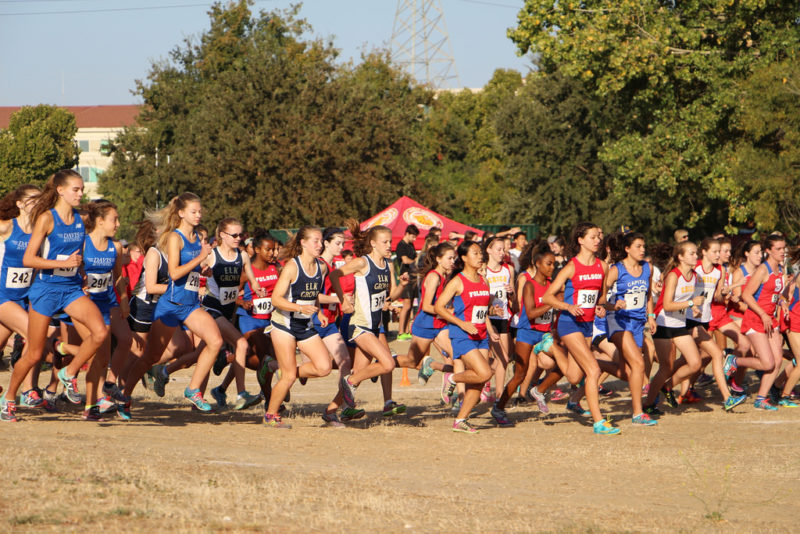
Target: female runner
[[470, 329], [374, 284], [582, 279], [54, 249], [296, 299], [500, 277]]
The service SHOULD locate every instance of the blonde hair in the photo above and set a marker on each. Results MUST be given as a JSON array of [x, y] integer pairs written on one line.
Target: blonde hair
[[293, 247], [168, 218]]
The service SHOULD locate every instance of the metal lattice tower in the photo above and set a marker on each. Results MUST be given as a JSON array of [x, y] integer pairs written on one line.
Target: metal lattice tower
[[421, 44]]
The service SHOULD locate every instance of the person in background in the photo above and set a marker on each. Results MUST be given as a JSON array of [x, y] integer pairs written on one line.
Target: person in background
[[680, 235], [557, 247], [437, 233], [406, 258], [519, 241]]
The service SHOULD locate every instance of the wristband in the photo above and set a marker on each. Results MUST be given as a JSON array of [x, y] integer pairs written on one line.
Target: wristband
[[651, 315]]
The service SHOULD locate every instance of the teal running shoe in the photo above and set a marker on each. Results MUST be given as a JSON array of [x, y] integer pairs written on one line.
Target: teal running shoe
[[787, 402], [733, 401], [606, 428], [643, 420], [545, 344], [426, 371], [196, 398], [764, 404]]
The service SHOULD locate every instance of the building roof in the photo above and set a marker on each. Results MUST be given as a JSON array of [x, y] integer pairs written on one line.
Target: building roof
[[87, 116]]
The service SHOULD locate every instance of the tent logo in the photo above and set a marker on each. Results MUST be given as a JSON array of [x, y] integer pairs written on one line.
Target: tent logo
[[422, 218], [384, 218]]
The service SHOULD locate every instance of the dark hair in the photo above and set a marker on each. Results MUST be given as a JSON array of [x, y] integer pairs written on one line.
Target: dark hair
[[744, 248], [329, 233], [430, 242], [706, 243], [469, 235], [488, 242], [410, 229], [580, 231], [618, 242], [224, 224], [262, 237], [461, 251], [96, 210], [8, 204], [347, 252], [660, 255], [362, 238], [770, 241], [539, 252], [294, 247], [435, 230], [47, 199], [146, 235], [429, 261], [520, 234], [525, 257]]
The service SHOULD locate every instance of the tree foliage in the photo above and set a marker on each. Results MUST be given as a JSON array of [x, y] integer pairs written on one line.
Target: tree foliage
[[265, 126], [38, 142]]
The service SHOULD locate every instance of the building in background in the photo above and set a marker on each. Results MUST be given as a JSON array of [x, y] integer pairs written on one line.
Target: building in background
[[97, 127]]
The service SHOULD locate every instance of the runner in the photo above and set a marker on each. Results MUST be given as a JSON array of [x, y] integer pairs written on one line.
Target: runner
[[500, 277]]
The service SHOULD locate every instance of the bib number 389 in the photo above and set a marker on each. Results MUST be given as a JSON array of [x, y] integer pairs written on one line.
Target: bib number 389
[[587, 298]]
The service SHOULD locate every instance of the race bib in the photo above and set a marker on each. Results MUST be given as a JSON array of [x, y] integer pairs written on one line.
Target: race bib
[[64, 272], [228, 295], [587, 298], [547, 318], [262, 306], [635, 301], [479, 314], [19, 277], [775, 297], [300, 315], [377, 301], [98, 282], [192, 282], [500, 297]]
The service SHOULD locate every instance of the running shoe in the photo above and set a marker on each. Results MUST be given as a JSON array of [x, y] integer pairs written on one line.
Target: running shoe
[[196, 398], [149, 379], [645, 390], [652, 410], [425, 371], [486, 393], [540, 398], [794, 395], [606, 392], [558, 395], [729, 367], [669, 397], [764, 404], [8, 411], [704, 380], [221, 362], [105, 404], [775, 395], [160, 379], [545, 344], [50, 401], [349, 414], [70, 386], [392, 408], [30, 399], [348, 391], [219, 396], [464, 427], [403, 337], [787, 402], [576, 407], [691, 397], [604, 427], [124, 410], [275, 421], [93, 414], [519, 402], [500, 417], [332, 420], [245, 400], [735, 388], [643, 420], [448, 387], [733, 401], [115, 392]]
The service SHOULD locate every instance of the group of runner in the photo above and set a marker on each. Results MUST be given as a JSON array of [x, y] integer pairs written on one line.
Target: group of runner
[[579, 309]]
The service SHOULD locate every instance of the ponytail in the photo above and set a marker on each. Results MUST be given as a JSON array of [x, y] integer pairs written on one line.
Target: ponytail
[[429, 262], [462, 251], [96, 210], [362, 238], [168, 219], [46, 200], [618, 242]]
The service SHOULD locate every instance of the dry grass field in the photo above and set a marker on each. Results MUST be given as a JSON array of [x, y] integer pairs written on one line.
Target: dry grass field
[[172, 469]]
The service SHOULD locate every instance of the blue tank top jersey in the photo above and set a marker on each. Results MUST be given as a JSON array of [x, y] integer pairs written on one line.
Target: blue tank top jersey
[[304, 291], [185, 289], [223, 285], [59, 245], [371, 292], [99, 266], [15, 278], [633, 290]]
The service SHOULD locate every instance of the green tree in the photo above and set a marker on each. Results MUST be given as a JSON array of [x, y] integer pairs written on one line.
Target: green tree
[[39, 141], [677, 70], [265, 126]]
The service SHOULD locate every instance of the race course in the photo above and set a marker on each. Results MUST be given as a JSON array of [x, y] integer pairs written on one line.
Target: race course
[[172, 469]]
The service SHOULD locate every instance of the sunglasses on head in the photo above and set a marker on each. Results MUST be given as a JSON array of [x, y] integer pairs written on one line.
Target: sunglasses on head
[[235, 236]]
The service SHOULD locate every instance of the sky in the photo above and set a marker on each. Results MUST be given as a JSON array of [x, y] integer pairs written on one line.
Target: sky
[[90, 52]]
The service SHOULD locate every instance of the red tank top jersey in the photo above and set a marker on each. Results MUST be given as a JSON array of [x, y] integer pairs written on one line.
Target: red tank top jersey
[[719, 311], [733, 309], [331, 311], [543, 323], [794, 311], [528, 278], [584, 287], [267, 278], [767, 297], [437, 322], [472, 304]]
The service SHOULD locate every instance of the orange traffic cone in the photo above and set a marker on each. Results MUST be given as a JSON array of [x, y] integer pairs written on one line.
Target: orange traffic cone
[[404, 382]]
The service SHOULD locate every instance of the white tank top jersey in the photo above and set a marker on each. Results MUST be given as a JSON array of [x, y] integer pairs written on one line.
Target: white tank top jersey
[[497, 287], [684, 291], [705, 285]]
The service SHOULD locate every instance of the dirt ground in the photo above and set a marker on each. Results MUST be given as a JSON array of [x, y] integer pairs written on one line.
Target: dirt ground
[[172, 469]]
